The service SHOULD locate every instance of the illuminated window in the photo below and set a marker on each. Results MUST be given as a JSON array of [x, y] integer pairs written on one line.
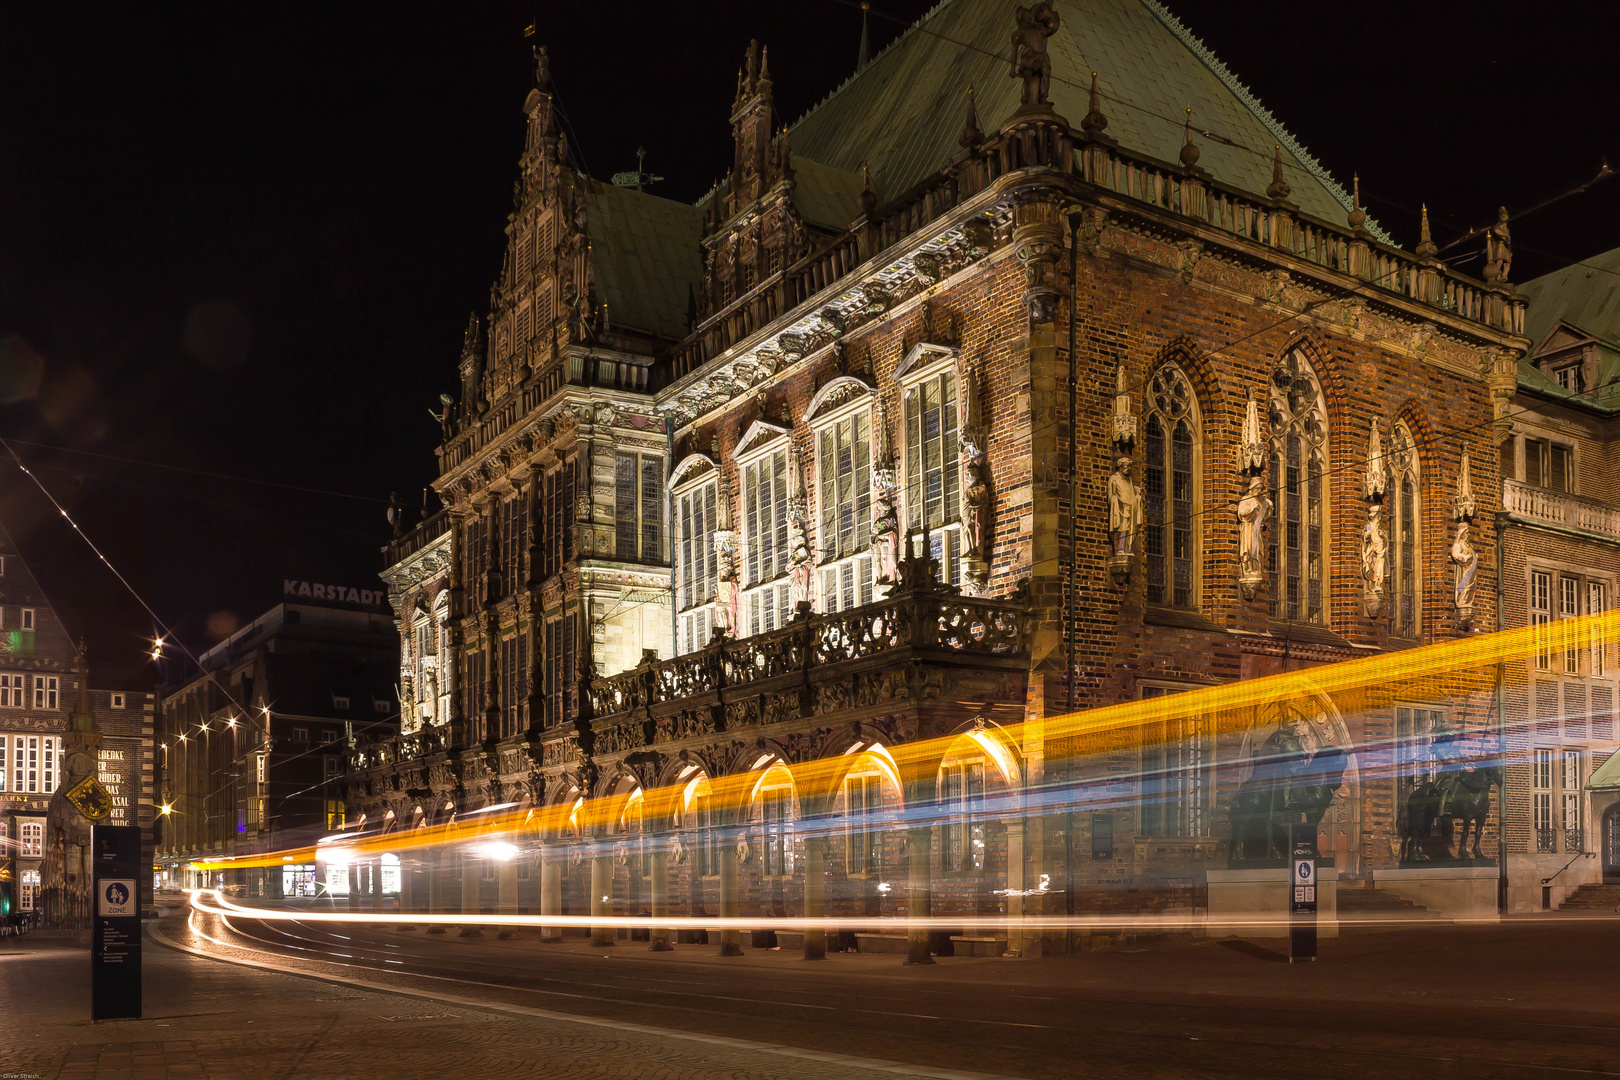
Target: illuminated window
[[844, 492], [45, 691], [933, 469], [334, 814], [776, 806], [1299, 464], [961, 793], [1548, 464], [33, 763], [1541, 782], [696, 518], [5, 744], [1596, 604], [1176, 767], [29, 894], [1169, 483], [638, 507], [340, 701], [1541, 617], [1407, 520], [118, 701], [765, 522], [705, 835], [863, 805], [12, 695], [1569, 607], [562, 699], [27, 618], [31, 839], [1570, 801], [260, 767]]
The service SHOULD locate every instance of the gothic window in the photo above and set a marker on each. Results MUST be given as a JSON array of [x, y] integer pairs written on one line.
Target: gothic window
[[1407, 518], [1416, 761], [863, 833], [1299, 468], [1169, 484], [776, 819], [696, 520], [639, 488], [933, 468], [561, 699], [961, 793], [844, 491]]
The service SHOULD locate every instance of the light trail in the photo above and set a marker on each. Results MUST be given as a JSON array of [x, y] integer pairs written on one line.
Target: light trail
[[225, 908]]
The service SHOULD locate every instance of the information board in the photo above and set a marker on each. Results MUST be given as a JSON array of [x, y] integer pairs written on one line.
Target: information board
[[1302, 894], [115, 940]]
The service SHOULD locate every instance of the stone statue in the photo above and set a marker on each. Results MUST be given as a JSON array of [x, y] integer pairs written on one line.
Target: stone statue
[[1030, 62], [798, 523], [1124, 519], [975, 496], [1252, 511], [1465, 560], [725, 571], [1374, 561], [885, 501], [1498, 249], [1290, 785], [1122, 425]]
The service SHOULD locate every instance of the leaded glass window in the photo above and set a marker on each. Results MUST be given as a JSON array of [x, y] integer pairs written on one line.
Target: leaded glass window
[[1403, 461], [1299, 463], [1170, 539]]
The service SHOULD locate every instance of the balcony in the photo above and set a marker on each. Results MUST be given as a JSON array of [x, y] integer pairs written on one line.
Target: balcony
[[419, 537], [395, 750], [884, 654], [1542, 506]]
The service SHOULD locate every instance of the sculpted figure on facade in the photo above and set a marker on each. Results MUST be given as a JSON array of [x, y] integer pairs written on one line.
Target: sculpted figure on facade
[[973, 437], [1124, 518], [1374, 535], [1030, 62], [885, 501], [1464, 559], [725, 568], [1498, 249], [1255, 506], [798, 515]]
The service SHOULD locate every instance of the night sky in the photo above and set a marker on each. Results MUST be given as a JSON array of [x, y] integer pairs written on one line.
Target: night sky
[[245, 243]]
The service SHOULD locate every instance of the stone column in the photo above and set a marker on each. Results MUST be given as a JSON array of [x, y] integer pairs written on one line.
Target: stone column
[[508, 901], [660, 896], [438, 886], [730, 940], [407, 892], [601, 897], [378, 900], [470, 870], [815, 895], [551, 864], [1016, 938], [919, 893]]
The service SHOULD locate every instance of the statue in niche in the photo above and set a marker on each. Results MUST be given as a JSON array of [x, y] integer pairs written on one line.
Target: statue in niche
[[1124, 519], [798, 515], [1252, 511], [725, 569], [1030, 62], [1466, 562], [885, 502], [1374, 561], [973, 438]]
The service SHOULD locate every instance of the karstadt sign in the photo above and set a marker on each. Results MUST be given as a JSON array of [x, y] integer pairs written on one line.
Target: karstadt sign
[[333, 594]]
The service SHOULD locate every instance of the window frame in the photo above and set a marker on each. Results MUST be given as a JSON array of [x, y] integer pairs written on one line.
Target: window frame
[[845, 568], [923, 365], [642, 511], [1193, 772], [1164, 407], [961, 784], [696, 488], [764, 442], [1310, 425], [863, 832]]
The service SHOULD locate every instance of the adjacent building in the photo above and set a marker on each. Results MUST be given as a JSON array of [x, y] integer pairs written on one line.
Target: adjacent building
[[1560, 530], [253, 746], [965, 402], [50, 714]]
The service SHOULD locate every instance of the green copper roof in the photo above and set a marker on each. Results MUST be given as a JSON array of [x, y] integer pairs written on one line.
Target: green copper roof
[[645, 254], [1584, 294], [1607, 778], [901, 115]]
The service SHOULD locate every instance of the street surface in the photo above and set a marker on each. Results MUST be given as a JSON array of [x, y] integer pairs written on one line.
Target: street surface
[[1530, 998]]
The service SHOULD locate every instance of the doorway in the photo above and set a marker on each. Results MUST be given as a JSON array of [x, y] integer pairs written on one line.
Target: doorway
[[1611, 845]]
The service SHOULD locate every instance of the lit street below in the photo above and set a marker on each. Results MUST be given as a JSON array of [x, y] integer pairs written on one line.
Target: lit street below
[[1525, 998]]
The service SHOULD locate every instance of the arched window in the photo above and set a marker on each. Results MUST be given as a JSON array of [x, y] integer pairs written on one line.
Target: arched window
[[1403, 485], [1171, 479], [1299, 464]]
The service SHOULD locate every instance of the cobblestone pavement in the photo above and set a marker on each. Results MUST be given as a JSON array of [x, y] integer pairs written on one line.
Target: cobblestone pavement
[[206, 1019], [1524, 999]]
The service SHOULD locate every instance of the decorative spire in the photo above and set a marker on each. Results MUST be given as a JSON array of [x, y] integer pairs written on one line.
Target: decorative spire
[[764, 65], [863, 57], [1376, 480], [971, 135], [868, 196], [1279, 188], [1426, 248], [1358, 216], [1122, 426], [1251, 450], [1189, 150], [1462, 507], [1094, 121]]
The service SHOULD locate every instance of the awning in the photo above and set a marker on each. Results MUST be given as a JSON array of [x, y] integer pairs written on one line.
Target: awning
[[1607, 778]]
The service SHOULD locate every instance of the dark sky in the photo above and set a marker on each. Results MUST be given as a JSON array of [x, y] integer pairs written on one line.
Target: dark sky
[[245, 242]]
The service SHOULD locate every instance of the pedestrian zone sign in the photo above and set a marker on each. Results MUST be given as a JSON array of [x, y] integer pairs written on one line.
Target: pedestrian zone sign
[[117, 898], [90, 798]]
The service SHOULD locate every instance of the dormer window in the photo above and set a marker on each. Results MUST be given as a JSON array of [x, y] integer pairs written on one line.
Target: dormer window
[[340, 701], [1568, 377]]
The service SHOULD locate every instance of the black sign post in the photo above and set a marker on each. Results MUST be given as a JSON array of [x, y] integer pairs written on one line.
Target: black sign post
[[115, 943], [1302, 894]]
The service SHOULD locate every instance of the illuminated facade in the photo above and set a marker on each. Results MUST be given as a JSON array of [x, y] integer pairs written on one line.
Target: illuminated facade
[[941, 415], [1561, 550]]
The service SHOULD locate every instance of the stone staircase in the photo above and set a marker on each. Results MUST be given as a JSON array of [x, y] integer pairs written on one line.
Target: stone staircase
[[1604, 898], [1371, 903]]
